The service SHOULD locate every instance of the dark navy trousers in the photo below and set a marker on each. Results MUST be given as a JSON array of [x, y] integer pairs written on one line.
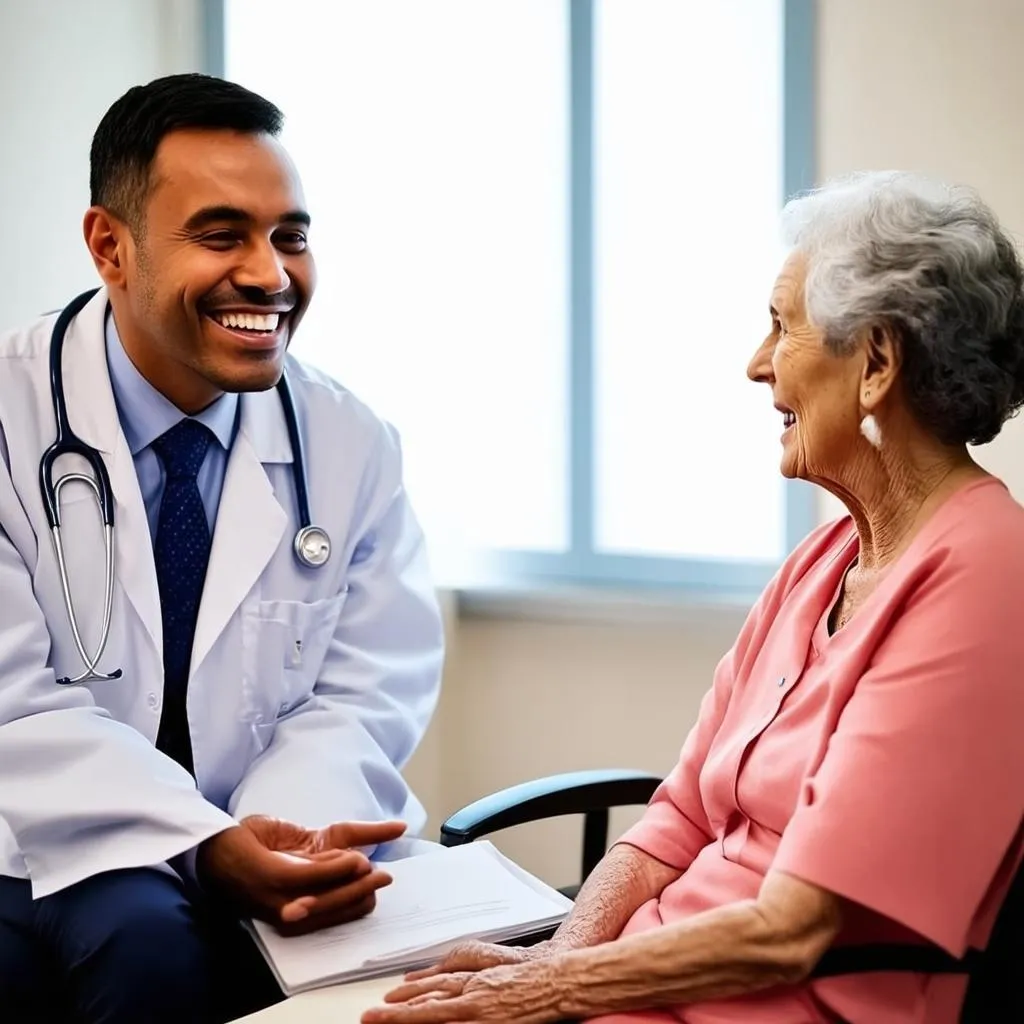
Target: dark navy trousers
[[126, 947]]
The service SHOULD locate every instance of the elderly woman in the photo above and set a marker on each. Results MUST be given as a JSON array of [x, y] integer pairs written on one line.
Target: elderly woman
[[856, 774]]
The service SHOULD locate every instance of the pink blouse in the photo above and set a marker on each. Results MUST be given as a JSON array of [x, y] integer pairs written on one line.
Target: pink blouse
[[884, 763]]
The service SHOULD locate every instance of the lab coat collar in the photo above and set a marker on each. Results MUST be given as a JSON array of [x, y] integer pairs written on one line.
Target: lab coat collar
[[250, 520], [263, 423], [92, 411], [250, 523]]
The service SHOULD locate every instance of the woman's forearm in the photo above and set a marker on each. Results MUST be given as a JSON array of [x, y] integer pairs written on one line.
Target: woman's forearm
[[731, 950], [624, 880]]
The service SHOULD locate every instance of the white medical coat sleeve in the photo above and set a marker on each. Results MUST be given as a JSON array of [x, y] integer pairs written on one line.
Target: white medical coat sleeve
[[339, 755], [81, 793]]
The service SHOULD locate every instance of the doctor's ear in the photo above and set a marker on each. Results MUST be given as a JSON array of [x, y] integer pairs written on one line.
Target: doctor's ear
[[109, 241]]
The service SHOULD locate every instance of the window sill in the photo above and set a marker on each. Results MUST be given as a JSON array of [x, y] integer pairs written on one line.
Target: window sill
[[601, 606]]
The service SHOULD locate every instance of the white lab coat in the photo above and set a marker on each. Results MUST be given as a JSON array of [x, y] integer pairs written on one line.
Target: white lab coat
[[315, 737]]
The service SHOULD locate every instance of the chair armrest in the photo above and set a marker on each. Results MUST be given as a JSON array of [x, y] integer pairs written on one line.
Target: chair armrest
[[549, 797]]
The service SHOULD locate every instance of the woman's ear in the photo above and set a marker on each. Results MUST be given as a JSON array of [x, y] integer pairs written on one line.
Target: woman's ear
[[884, 356]]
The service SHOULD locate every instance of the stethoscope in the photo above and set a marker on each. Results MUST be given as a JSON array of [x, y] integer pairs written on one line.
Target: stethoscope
[[312, 545]]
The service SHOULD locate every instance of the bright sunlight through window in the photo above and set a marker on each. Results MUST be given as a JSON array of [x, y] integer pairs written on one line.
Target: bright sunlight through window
[[688, 181], [440, 144]]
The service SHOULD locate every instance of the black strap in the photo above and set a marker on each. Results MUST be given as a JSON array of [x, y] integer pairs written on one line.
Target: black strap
[[882, 957]]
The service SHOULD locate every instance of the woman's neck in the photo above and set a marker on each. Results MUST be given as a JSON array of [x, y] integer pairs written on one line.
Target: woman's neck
[[890, 493]]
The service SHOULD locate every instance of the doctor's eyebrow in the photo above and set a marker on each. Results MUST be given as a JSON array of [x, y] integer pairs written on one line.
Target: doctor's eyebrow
[[208, 215]]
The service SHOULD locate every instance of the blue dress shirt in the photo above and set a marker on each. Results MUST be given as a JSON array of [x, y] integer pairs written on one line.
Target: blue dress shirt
[[145, 414]]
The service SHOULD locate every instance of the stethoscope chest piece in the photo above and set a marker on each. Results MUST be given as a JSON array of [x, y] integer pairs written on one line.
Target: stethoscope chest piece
[[312, 546]]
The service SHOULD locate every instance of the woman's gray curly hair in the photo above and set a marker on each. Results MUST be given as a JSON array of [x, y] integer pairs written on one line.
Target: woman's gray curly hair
[[930, 262]]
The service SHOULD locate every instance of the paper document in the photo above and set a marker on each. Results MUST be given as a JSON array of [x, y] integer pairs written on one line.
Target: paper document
[[436, 900]]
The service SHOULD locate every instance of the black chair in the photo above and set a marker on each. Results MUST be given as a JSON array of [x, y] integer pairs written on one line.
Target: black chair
[[590, 793], [995, 992]]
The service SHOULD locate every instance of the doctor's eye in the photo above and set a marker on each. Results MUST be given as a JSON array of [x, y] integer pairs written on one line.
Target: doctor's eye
[[290, 241], [220, 240]]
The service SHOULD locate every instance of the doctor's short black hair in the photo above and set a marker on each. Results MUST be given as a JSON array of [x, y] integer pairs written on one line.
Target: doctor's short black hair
[[126, 140]]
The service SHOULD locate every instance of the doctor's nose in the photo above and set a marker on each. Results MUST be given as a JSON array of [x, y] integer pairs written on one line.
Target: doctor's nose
[[263, 269]]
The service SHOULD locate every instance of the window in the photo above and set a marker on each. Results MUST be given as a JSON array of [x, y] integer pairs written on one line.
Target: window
[[545, 231]]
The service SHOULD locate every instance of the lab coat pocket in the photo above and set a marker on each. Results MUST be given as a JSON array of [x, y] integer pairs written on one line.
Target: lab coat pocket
[[285, 646]]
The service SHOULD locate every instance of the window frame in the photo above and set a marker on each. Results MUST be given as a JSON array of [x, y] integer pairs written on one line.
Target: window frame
[[581, 566]]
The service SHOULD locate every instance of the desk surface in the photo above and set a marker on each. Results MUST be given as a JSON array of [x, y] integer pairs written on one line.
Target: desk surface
[[343, 1004]]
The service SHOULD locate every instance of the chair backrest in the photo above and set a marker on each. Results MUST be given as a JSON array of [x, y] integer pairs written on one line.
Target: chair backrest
[[996, 992]]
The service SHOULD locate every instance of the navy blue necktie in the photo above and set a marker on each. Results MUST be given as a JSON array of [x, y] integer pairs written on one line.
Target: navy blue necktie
[[181, 552]]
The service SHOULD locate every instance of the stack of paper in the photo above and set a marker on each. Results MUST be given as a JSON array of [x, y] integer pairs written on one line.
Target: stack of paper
[[436, 901]]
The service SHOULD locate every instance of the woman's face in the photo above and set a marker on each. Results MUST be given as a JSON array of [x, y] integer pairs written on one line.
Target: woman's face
[[816, 392]]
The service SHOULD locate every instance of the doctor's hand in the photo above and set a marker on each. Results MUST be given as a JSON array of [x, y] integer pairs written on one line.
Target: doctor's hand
[[298, 879], [287, 837]]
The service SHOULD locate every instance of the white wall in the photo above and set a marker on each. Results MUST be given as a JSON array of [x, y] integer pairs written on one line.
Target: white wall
[[935, 85], [62, 63]]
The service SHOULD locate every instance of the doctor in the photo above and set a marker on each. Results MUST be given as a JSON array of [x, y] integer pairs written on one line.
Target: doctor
[[237, 748]]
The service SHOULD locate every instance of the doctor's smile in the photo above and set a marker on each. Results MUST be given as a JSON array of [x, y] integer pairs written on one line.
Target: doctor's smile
[[258, 328]]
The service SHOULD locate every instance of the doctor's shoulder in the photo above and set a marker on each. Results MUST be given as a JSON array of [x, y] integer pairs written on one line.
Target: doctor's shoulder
[[24, 376], [28, 341], [24, 355]]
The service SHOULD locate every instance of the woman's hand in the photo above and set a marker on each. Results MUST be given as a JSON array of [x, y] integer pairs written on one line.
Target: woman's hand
[[479, 956], [522, 993]]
